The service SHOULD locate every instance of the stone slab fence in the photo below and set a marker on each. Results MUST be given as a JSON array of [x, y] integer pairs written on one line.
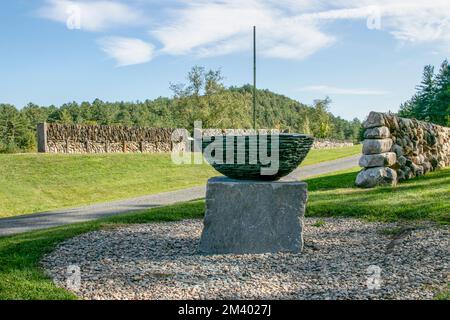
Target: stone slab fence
[[330, 144], [397, 149], [76, 138], [318, 143]]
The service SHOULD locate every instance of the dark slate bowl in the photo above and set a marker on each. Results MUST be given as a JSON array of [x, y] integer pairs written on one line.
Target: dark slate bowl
[[292, 149]]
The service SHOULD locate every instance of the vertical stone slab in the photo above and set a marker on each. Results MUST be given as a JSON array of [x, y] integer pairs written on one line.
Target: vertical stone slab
[[246, 216], [42, 137]]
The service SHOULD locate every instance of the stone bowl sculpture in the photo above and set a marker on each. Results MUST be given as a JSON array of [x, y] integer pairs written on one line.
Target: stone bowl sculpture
[[243, 161]]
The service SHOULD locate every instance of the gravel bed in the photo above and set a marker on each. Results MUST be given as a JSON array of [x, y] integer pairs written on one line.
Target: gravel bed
[[340, 259]]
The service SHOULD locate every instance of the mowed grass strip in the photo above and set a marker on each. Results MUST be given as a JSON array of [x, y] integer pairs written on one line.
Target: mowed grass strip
[[40, 182], [317, 156]]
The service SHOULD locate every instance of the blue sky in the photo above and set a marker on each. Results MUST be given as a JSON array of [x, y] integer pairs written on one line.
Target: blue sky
[[366, 55]]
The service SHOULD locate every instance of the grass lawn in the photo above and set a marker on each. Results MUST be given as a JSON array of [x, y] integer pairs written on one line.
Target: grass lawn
[[425, 198], [317, 156], [39, 182]]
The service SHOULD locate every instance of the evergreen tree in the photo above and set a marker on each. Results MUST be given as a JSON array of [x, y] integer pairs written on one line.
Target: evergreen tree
[[431, 102], [427, 92], [65, 116], [15, 134], [440, 111]]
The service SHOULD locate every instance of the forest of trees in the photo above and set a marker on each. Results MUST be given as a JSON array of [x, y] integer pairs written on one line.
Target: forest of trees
[[431, 102], [204, 97]]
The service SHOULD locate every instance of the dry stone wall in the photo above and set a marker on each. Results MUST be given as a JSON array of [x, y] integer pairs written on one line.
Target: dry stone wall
[[397, 149], [330, 144], [317, 144], [75, 138]]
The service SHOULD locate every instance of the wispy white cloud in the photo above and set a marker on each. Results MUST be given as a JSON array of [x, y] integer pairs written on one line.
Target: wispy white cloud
[[127, 51], [342, 91], [413, 21], [288, 29], [222, 27], [293, 29], [93, 15]]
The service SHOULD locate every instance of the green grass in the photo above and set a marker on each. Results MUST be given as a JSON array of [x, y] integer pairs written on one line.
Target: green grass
[[444, 295], [425, 198], [319, 223], [39, 182], [317, 156]]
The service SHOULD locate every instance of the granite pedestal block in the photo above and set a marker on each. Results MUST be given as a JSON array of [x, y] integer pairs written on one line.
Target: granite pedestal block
[[249, 216]]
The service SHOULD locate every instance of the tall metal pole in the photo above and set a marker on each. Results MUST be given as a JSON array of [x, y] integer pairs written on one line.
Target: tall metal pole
[[254, 77]]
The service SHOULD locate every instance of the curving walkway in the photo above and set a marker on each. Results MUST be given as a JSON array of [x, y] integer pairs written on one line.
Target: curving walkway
[[35, 221]]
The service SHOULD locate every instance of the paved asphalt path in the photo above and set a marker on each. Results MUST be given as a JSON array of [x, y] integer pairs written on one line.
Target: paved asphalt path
[[24, 223]]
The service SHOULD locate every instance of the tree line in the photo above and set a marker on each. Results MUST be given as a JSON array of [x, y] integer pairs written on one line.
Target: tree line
[[204, 97], [431, 102]]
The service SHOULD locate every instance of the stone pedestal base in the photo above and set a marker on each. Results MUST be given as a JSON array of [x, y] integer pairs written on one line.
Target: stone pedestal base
[[247, 216]]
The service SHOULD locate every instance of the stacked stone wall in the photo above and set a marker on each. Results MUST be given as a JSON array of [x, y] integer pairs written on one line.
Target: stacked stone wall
[[397, 149], [75, 138], [318, 143], [331, 144]]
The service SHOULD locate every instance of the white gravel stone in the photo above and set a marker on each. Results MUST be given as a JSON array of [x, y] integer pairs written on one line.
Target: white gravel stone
[[161, 261]]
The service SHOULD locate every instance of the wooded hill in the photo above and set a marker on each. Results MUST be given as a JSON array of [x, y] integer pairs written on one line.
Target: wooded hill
[[204, 97]]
